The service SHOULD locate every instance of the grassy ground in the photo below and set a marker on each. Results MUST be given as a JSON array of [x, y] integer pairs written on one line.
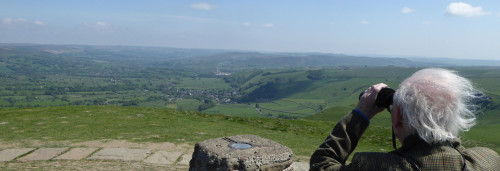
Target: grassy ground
[[292, 107], [84, 123], [486, 130], [242, 110], [188, 104], [138, 124]]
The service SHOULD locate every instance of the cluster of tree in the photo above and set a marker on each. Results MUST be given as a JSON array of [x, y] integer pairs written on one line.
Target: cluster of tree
[[133, 102], [486, 102], [283, 116], [207, 104], [266, 91], [315, 74]]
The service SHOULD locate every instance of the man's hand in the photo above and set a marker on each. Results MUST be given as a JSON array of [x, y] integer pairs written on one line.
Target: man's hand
[[366, 103]]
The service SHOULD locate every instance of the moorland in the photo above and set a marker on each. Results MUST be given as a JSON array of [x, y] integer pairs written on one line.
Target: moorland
[[189, 95]]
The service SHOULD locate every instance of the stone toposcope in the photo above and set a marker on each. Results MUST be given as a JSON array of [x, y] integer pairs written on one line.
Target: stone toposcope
[[240, 152]]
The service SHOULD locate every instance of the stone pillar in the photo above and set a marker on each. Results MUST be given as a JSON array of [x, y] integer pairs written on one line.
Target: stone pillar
[[240, 152]]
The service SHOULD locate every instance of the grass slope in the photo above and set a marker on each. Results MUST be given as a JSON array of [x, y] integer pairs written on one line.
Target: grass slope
[[83, 123]]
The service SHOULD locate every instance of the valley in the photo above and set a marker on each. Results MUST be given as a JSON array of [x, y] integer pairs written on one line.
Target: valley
[[288, 89]]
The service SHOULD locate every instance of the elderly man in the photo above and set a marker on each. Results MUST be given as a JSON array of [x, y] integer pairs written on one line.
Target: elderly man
[[430, 109]]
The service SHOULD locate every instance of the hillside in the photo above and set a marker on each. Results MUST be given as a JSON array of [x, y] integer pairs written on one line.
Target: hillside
[[66, 58], [294, 86], [238, 61], [261, 87]]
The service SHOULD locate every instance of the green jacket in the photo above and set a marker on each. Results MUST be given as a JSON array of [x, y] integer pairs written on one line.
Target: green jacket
[[333, 153]]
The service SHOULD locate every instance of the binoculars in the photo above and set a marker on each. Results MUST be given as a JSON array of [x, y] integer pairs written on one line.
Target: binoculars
[[384, 97]]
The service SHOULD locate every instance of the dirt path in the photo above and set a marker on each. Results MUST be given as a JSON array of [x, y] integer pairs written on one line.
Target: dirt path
[[103, 155], [88, 165], [105, 143], [27, 160]]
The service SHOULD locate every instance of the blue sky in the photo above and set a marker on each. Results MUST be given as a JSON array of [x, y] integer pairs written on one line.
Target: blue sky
[[426, 28]]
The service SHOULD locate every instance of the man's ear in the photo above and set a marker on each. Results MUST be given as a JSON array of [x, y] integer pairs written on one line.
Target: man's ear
[[397, 123], [396, 117]]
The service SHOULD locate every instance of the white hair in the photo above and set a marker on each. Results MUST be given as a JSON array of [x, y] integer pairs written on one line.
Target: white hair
[[437, 104]]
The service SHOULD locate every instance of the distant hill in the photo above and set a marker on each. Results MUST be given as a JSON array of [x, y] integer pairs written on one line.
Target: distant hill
[[458, 62], [111, 53], [203, 60], [235, 61]]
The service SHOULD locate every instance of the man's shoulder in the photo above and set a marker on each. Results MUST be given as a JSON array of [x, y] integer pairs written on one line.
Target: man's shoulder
[[483, 157], [479, 158], [482, 153], [485, 150]]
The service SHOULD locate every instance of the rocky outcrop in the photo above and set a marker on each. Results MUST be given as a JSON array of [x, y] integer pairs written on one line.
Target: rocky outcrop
[[240, 152]]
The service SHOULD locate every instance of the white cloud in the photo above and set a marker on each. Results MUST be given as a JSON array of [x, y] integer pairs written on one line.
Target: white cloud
[[100, 26], [40, 23], [203, 6], [13, 21], [407, 10], [198, 19], [465, 10], [7, 21], [247, 24], [365, 22], [20, 20], [268, 25], [498, 15]]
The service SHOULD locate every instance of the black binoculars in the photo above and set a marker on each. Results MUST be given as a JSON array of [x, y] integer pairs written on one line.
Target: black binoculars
[[384, 97]]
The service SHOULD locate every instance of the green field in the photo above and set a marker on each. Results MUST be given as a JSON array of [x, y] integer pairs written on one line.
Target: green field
[[154, 95], [486, 130], [188, 104], [202, 83], [292, 107], [242, 110]]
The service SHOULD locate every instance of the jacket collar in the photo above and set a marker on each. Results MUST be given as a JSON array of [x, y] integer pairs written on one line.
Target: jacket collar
[[414, 140], [411, 141]]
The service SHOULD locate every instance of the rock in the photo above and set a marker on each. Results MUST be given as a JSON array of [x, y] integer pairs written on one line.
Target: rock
[[240, 152]]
